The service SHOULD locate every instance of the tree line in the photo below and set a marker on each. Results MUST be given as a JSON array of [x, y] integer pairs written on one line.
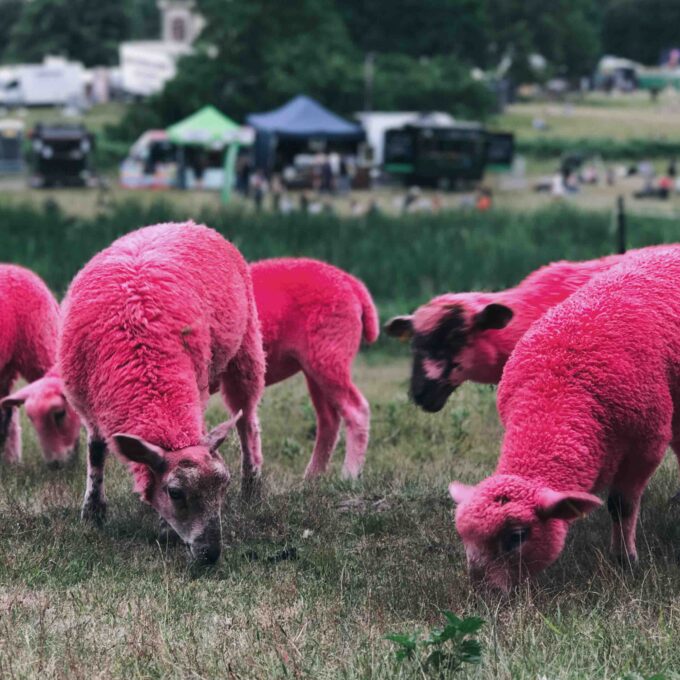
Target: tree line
[[391, 54]]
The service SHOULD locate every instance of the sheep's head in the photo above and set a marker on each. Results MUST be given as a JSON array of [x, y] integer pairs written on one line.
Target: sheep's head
[[445, 336], [55, 421], [512, 527], [186, 487]]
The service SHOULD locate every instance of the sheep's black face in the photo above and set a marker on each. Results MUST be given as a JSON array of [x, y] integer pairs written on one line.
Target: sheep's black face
[[435, 355], [430, 395]]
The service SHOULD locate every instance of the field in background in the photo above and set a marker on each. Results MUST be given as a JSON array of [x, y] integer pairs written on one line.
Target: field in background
[[622, 130], [617, 117], [316, 575]]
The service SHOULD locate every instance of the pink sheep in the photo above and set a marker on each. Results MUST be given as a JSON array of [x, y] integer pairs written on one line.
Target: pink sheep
[[589, 401], [469, 336], [152, 326], [313, 317], [28, 348]]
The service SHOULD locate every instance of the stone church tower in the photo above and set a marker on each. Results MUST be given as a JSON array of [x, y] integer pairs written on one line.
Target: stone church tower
[[180, 24]]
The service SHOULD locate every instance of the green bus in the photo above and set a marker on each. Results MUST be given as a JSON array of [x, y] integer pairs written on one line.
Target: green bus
[[445, 157]]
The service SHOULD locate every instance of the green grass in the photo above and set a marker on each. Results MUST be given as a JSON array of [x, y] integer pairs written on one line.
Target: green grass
[[623, 120], [627, 128], [401, 260], [96, 119], [315, 576]]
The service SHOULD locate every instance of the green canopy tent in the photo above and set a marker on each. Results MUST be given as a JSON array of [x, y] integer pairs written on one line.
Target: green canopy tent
[[211, 129]]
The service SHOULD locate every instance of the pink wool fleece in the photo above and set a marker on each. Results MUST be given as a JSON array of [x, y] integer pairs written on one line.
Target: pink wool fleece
[[313, 317], [588, 400], [152, 326], [469, 336], [28, 347]]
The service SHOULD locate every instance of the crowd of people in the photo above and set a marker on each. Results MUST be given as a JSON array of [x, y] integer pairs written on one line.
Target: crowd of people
[[571, 177]]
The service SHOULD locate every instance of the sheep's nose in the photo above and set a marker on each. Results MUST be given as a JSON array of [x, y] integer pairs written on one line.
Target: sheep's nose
[[208, 554]]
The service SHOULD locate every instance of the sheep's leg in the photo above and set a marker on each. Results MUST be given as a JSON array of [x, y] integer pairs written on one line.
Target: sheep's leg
[[675, 445], [94, 504], [356, 413], [327, 430], [10, 434], [624, 498], [242, 387], [623, 509], [10, 423]]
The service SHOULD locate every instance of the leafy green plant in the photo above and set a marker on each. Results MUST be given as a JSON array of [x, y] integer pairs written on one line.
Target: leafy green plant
[[444, 649]]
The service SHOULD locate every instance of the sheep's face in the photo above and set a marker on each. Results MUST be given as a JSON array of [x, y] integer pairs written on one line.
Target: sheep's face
[[189, 496], [513, 528], [56, 423], [187, 487], [443, 336]]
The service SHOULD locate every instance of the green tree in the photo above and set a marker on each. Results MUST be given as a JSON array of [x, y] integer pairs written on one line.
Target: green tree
[[262, 52], [428, 84], [640, 29], [84, 30], [419, 28], [566, 33], [10, 11]]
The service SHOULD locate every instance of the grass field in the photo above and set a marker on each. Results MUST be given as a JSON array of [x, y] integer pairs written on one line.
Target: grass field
[[316, 575], [616, 117]]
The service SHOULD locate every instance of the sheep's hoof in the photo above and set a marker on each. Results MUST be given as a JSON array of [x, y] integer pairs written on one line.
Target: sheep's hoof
[[312, 473], [93, 512], [627, 560], [350, 475], [251, 486]]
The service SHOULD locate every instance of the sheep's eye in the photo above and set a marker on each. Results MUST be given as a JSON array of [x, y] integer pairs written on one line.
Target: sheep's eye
[[514, 539], [59, 416], [176, 494]]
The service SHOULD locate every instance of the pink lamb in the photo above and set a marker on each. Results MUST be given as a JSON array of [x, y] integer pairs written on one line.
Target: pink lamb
[[313, 317], [589, 401], [28, 348], [152, 326], [469, 336]]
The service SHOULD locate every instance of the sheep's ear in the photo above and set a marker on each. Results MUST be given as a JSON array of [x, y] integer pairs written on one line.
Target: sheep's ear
[[400, 327], [136, 450], [213, 440], [567, 505], [18, 398], [493, 316], [460, 492]]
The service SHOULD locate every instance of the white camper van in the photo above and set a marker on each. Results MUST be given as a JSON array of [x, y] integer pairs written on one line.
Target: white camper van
[[55, 82]]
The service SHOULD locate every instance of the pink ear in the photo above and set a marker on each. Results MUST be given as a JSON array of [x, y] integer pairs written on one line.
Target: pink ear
[[136, 450], [567, 505], [460, 492], [213, 440], [18, 398]]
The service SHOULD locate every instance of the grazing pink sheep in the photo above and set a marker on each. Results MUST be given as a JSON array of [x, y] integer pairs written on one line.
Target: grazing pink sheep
[[590, 400], [28, 348], [469, 336], [313, 317], [153, 325], [55, 421]]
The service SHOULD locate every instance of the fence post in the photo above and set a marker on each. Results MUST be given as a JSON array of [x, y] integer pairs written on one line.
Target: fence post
[[621, 225]]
